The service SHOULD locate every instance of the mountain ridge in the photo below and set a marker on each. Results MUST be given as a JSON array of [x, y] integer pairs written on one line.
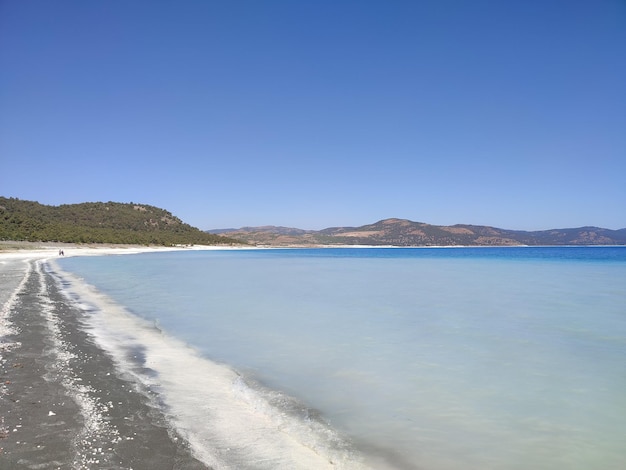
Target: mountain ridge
[[404, 232]]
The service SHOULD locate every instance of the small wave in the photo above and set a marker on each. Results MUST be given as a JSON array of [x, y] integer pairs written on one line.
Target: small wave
[[296, 419]]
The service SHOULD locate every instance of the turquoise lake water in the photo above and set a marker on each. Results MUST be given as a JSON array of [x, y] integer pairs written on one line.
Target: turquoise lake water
[[425, 358]]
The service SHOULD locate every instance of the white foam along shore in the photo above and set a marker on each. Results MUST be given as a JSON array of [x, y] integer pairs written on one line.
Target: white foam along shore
[[245, 427], [36, 355]]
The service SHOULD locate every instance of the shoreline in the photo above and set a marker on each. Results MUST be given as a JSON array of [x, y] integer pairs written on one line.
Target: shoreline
[[64, 403], [51, 250], [57, 385], [33, 250]]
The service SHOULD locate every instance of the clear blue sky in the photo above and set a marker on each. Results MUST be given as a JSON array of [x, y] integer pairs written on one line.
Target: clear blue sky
[[320, 113]]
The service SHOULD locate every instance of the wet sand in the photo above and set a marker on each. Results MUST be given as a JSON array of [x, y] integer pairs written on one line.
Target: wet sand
[[63, 405]]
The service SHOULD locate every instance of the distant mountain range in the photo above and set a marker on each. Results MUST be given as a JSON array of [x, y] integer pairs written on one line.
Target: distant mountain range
[[401, 232]]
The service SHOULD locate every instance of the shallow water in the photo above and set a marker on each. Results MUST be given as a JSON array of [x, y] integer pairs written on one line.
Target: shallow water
[[422, 358]]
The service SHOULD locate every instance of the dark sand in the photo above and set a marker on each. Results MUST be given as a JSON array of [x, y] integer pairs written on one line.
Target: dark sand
[[63, 405]]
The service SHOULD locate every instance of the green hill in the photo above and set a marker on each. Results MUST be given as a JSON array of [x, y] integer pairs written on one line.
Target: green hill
[[98, 222]]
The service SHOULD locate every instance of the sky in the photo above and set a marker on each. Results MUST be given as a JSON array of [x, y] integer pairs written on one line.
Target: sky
[[314, 114]]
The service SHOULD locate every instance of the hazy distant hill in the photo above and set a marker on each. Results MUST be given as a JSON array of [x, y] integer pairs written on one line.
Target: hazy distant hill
[[98, 222], [400, 232]]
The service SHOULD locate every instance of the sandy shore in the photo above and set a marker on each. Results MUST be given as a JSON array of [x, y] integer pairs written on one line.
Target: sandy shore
[[31, 250], [62, 403]]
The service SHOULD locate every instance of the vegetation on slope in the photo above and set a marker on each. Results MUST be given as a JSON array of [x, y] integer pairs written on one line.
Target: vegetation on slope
[[98, 222]]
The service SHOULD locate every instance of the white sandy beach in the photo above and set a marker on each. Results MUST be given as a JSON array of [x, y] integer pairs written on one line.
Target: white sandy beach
[[39, 251]]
